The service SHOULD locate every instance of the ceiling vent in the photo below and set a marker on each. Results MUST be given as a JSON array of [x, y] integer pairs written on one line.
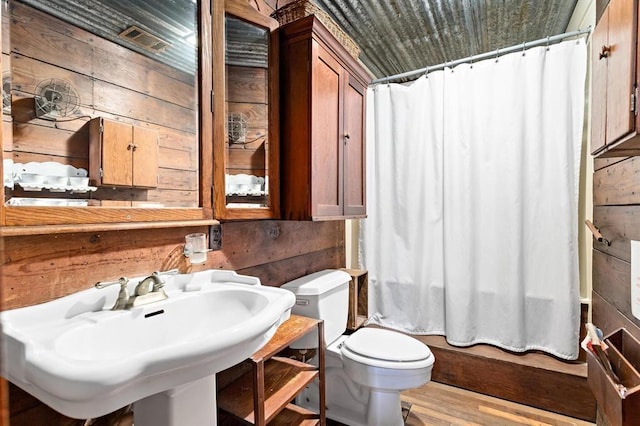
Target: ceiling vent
[[144, 39]]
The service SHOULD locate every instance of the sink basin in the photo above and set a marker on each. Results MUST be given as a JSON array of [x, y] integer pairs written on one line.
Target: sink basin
[[84, 360]]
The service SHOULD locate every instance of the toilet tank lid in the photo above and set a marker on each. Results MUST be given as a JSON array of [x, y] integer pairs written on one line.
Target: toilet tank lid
[[318, 282]]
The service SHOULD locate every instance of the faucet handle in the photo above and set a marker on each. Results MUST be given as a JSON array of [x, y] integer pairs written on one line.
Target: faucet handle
[[122, 281], [158, 282], [123, 295]]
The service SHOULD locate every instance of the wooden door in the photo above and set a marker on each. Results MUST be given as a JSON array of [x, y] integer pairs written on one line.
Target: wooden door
[[354, 148], [117, 150], [326, 131], [600, 39], [145, 157], [621, 69]]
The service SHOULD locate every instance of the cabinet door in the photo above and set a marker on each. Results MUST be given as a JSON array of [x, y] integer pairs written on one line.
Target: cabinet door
[[621, 68], [117, 150], [327, 125], [354, 148], [145, 157], [599, 40]]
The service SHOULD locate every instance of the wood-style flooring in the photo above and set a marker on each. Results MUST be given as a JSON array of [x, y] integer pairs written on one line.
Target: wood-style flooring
[[435, 404], [438, 404]]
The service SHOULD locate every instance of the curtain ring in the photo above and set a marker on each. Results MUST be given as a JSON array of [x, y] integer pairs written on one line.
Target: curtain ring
[[548, 37], [497, 54], [426, 72], [471, 61], [524, 47]]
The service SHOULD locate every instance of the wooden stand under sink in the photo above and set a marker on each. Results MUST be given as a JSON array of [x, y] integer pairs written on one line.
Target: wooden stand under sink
[[263, 394]]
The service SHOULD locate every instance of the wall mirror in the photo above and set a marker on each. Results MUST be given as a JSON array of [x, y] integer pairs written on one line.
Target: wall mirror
[[246, 133], [101, 116]]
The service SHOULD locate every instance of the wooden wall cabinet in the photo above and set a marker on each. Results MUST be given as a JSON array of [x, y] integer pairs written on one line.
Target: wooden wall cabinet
[[322, 123], [121, 154], [615, 79]]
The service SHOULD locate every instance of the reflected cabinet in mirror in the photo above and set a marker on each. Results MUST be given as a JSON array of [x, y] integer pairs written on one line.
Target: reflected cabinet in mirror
[[246, 129], [101, 117]]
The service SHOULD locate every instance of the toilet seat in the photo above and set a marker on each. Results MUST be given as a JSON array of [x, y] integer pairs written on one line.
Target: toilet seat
[[386, 349]]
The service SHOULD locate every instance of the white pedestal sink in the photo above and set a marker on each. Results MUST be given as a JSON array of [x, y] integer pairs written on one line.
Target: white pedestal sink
[[84, 360]]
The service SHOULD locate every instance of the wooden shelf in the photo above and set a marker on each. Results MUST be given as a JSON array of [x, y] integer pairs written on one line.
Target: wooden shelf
[[358, 298], [294, 415], [283, 379], [263, 394]]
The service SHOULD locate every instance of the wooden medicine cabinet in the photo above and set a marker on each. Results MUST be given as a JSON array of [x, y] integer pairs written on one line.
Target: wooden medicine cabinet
[[67, 73], [323, 125], [246, 132]]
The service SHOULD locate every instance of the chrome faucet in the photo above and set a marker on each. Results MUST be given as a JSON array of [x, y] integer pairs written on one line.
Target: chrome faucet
[[149, 290]]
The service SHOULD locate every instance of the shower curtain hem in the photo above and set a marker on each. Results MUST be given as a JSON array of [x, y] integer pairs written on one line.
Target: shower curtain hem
[[567, 357]]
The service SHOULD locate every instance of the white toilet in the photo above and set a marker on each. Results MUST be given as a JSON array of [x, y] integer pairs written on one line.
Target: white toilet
[[365, 371]]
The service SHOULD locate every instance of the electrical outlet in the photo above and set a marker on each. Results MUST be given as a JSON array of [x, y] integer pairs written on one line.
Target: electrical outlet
[[215, 237]]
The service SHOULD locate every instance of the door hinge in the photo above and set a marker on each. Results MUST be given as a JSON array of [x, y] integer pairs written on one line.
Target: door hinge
[[212, 101], [634, 101], [101, 128], [101, 174]]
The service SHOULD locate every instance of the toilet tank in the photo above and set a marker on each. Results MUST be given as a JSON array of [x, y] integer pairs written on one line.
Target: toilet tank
[[321, 295]]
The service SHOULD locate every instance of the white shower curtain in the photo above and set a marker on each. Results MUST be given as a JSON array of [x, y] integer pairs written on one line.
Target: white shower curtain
[[472, 201]]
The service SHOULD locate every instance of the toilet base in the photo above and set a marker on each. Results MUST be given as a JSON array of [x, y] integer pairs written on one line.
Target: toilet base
[[384, 409], [346, 401], [381, 409]]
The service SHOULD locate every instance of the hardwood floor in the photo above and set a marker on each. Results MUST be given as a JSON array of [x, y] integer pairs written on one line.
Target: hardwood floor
[[438, 404]]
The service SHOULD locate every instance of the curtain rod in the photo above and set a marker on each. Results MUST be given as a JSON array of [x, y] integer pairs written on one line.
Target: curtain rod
[[492, 54]]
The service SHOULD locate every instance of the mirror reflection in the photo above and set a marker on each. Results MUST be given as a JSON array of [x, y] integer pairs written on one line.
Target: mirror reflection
[[247, 112], [100, 103]]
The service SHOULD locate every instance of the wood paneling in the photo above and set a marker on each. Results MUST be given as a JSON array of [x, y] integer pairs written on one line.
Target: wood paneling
[[609, 319], [617, 214], [38, 268], [618, 183], [612, 281], [44, 267], [247, 94], [143, 93], [618, 225]]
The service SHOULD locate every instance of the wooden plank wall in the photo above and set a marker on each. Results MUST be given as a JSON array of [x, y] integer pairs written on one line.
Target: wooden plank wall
[[40, 268], [139, 91], [247, 94], [616, 213]]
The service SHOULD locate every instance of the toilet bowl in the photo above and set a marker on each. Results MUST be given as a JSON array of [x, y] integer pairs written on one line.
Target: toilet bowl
[[365, 372]]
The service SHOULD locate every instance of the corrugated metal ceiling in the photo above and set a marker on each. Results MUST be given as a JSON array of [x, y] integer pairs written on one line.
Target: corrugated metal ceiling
[[403, 35], [394, 35], [171, 20]]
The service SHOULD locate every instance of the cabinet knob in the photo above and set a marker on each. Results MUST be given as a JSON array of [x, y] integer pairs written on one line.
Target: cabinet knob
[[135, 146], [129, 147], [604, 53], [346, 137]]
